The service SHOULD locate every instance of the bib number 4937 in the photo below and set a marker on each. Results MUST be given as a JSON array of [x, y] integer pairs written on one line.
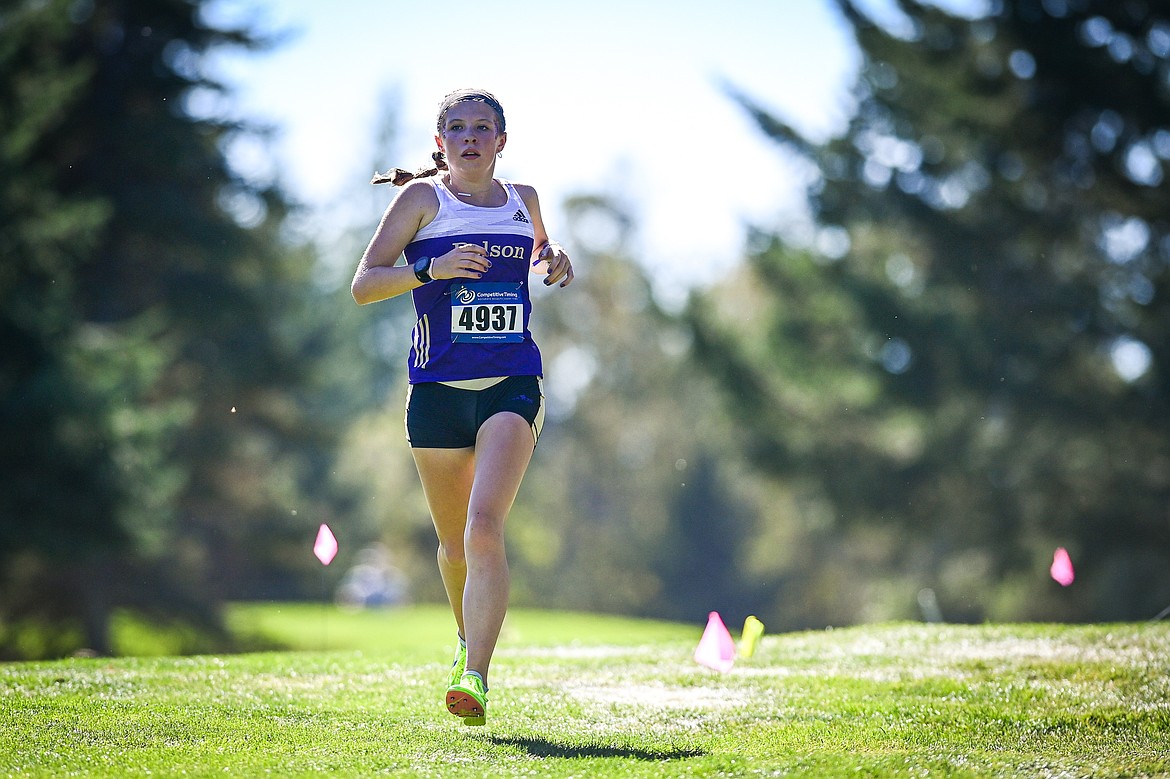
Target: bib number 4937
[[486, 313], [484, 319]]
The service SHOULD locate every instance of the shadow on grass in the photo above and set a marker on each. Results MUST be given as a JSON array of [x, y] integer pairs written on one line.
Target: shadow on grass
[[539, 747]]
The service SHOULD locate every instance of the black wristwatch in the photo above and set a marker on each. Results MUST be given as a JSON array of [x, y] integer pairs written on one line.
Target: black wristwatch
[[422, 269]]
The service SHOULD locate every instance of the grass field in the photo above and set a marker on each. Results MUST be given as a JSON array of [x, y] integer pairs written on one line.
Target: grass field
[[585, 696]]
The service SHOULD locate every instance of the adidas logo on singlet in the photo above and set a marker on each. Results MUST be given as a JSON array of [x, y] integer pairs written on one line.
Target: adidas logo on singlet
[[519, 217]]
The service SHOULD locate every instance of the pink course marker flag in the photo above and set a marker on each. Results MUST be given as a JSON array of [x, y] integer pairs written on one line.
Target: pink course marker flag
[[716, 649], [325, 547], [1062, 567]]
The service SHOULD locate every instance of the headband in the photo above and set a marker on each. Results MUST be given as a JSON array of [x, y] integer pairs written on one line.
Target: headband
[[473, 95]]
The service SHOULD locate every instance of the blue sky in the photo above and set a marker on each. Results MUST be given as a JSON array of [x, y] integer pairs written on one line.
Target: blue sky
[[614, 96]]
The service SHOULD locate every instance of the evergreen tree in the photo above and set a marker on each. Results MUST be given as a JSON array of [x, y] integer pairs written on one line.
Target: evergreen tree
[[154, 385], [971, 357]]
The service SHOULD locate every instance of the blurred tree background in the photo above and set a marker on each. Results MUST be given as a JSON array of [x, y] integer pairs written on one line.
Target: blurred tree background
[[896, 411], [966, 366], [166, 430]]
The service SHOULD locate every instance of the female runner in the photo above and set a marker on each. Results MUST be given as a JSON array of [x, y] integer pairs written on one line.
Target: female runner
[[475, 405]]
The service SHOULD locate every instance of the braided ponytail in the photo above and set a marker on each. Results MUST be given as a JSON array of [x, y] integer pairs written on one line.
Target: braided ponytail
[[398, 176]]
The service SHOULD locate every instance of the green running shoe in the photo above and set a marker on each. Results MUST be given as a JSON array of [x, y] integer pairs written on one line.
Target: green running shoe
[[468, 699], [458, 665]]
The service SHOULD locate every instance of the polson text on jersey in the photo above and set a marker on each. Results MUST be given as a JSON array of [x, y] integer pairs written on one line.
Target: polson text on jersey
[[498, 250]]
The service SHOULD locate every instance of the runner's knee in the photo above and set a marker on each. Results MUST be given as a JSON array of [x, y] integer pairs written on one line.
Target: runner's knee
[[485, 533], [452, 554]]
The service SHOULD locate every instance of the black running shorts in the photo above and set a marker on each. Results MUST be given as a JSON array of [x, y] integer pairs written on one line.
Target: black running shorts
[[439, 416]]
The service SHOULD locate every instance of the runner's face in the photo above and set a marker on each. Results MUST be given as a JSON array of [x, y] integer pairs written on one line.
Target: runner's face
[[469, 133]]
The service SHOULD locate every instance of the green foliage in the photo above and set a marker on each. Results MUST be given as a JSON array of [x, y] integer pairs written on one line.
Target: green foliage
[[156, 387], [967, 365], [879, 701]]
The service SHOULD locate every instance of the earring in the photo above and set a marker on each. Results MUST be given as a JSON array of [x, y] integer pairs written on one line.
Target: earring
[[499, 155]]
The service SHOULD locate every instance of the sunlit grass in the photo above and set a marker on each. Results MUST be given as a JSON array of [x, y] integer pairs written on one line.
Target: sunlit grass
[[577, 695], [423, 627]]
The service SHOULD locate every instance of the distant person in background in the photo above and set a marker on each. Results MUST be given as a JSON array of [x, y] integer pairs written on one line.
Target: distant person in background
[[475, 405], [373, 581]]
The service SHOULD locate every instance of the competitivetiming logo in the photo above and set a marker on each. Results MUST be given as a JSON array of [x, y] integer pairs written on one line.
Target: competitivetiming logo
[[483, 294]]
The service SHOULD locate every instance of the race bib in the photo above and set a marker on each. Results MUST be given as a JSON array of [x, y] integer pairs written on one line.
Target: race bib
[[486, 312]]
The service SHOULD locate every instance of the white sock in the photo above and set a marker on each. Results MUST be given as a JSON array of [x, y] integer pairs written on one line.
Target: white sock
[[479, 676]]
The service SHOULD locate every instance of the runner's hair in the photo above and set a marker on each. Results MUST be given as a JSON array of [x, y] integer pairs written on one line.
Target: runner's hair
[[398, 177]]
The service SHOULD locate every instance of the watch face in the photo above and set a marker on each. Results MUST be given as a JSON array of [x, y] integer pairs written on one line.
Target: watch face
[[422, 269]]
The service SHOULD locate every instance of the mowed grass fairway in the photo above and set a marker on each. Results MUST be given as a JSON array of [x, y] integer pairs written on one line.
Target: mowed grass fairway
[[586, 696]]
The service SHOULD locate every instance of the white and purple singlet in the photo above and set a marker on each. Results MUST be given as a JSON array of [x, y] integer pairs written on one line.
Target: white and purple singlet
[[475, 328]]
